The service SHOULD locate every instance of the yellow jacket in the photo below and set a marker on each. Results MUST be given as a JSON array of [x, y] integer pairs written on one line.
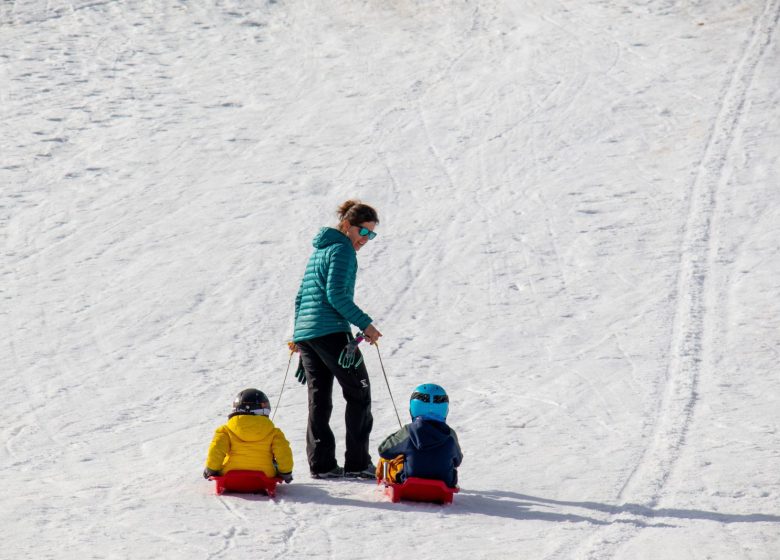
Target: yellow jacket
[[249, 442]]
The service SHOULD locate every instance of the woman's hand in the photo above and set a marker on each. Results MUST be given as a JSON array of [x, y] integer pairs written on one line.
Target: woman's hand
[[371, 334]]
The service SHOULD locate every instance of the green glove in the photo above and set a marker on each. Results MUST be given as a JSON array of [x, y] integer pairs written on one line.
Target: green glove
[[300, 373], [347, 356]]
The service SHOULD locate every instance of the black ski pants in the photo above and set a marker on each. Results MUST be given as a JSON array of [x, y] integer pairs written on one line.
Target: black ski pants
[[320, 358]]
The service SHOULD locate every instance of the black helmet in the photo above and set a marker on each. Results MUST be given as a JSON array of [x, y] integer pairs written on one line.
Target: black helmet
[[251, 401]]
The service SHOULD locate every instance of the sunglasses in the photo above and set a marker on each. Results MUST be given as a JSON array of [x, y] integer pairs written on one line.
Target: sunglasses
[[363, 231], [424, 397]]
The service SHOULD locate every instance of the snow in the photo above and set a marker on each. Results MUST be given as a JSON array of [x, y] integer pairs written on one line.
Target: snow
[[578, 240]]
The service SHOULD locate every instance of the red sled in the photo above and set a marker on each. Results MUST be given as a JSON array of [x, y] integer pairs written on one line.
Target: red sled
[[420, 490], [246, 482]]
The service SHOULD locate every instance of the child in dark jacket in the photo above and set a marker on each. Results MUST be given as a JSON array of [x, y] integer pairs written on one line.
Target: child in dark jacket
[[426, 448]]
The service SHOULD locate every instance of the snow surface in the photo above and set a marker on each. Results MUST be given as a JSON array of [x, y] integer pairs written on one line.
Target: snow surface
[[578, 239]]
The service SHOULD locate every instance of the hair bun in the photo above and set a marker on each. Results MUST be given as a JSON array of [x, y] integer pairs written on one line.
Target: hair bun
[[355, 212], [346, 206]]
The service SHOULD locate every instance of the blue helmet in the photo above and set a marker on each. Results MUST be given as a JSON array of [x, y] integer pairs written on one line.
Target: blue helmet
[[429, 401]]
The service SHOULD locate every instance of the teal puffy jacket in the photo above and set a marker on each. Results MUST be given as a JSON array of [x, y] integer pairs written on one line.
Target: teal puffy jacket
[[324, 302]]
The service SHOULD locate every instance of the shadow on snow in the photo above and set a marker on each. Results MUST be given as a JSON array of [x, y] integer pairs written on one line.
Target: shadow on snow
[[632, 509], [500, 503], [511, 505]]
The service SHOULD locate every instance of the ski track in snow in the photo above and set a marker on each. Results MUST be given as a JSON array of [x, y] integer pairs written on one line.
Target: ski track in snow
[[692, 330]]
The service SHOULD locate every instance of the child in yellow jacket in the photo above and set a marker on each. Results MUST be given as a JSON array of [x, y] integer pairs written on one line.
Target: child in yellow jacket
[[250, 441]]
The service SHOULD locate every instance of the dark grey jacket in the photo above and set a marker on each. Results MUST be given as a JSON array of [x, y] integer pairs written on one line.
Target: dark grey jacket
[[430, 449]]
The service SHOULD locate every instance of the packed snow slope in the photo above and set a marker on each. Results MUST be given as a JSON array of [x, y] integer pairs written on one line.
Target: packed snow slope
[[579, 240]]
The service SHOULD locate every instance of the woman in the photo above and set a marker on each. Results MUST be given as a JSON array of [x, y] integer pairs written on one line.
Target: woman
[[324, 311]]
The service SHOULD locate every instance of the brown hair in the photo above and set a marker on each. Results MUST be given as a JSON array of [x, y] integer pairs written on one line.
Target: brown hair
[[356, 213]]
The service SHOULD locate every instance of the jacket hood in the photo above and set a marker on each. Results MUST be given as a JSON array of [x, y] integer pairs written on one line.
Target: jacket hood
[[249, 427], [329, 236], [428, 434]]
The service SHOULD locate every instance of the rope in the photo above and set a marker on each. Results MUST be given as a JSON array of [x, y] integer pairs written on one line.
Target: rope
[[388, 384], [273, 414], [384, 373]]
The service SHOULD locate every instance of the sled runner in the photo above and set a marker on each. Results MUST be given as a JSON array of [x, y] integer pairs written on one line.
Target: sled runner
[[247, 482], [420, 490]]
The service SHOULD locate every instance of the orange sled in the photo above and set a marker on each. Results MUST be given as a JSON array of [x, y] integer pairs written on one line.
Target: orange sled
[[420, 490], [247, 482]]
